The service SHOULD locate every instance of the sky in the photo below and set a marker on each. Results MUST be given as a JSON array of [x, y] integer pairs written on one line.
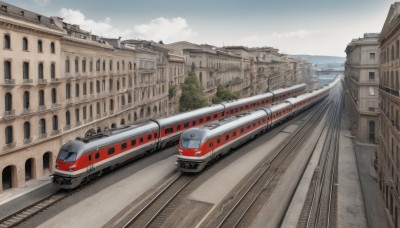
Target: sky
[[316, 27]]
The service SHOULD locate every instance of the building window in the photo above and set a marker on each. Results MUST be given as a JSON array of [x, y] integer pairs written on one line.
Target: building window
[[76, 90], [8, 102], [98, 108], [84, 89], [41, 97], [42, 126], [7, 42], [53, 96], [7, 70], [55, 123], [371, 55], [52, 48], [371, 75], [40, 71], [84, 113], [40, 46], [53, 70], [77, 115], [25, 70], [27, 130], [98, 86], [111, 63], [371, 91], [110, 84], [91, 66], [67, 118], [111, 104], [26, 100], [84, 65], [90, 111], [68, 91], [9, 134], [104, 65], [67, 66], [91, 87], [98, 65], [76, 65], [25, 44]]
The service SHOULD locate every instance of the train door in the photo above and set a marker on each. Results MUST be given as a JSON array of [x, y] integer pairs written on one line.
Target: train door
[[90, 157]]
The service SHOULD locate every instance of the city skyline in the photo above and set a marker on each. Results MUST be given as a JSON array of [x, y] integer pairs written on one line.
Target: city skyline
[[323, 28]]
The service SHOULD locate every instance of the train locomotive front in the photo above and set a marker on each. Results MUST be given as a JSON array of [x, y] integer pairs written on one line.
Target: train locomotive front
[[191, 156]]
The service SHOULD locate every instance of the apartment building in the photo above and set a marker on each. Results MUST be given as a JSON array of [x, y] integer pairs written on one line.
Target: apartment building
[[362, 81]]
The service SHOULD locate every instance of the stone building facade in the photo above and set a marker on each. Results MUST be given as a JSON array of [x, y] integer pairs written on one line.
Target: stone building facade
[[388, 155], [362, 81]]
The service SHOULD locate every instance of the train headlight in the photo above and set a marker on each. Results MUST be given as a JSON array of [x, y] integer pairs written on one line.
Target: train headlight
[[180, 152], [197, 153], [72, 168]]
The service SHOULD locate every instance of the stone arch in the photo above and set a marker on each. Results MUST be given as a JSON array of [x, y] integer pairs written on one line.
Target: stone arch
[[98, 130], [148, 113], [47, 163], [90, 132], [123, 121], [30, 168], [9, 177]]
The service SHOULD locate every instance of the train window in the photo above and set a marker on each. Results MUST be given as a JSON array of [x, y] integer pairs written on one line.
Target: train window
[[210, 144], [171, 129], [140, 140], [194, 122], [111, 151], [219, 141], [201, 120], [97, 155], [166, 131], [248, 126], [178, 127], [237, 109], [215, 116], [231, 111], [133, 142], [241, 108], [155, 135], [227, 137], [234, 134], [186, 125], [90, 157], [242, 130], [254, 124], [223, 114], [149, 137], [208, 118], [123, 146]]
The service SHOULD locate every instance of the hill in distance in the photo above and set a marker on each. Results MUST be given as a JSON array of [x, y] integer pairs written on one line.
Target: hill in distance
[[323, 61]]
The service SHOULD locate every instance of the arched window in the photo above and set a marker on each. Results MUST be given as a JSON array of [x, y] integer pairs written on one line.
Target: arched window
[[77, 115], [67, 66], [8, 102], [25, 44], [26, 100], [40, 46], [55, 123], [42, 126], [110, 84], [27, 130], [111, 104], [122, 100], [7, 70], [52, 48], [40, 71], [53, 70], [130, 66], [76, 65], [68, 91], [7, 41], [41, 97], [117, 65], [84, 65], [76, 90], [84, 88], [25, 70], [129, 98], [67, 118], [111, 63], [53, 96], [98, 65], [9, 134], [104, 65]]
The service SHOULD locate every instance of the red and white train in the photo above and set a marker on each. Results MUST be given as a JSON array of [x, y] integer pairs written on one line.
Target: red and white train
[[199, 146], [82, 160]]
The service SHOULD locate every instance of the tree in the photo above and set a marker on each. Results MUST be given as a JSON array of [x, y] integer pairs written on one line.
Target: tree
[[192, 94], [224, 94], [172, 91]]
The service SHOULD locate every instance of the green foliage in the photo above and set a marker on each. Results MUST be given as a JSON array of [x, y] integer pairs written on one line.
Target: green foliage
[[224, 94], [172, 91], [192, 96]]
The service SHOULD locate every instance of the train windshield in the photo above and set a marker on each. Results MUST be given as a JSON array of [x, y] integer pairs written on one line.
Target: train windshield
[[67, 156], [190, 143]]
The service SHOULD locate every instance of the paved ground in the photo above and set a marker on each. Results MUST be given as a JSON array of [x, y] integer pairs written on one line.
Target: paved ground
[[224, 181], [98, 209], [350, 211]]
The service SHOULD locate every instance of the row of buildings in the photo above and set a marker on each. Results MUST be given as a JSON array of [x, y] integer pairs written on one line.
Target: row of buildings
[[60, 82], [373, 102]]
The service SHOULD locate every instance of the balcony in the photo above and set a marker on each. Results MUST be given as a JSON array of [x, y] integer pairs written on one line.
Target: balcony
[[55, 105], [26, 111], [42, 82], [55, 81], [9, 146], [79, 123], [68, 101], [41, 108], [389, 90], [28, 140], [27, 82], [90, 119], [9, 114], [55, 132], [67, 127], [8, 82], [42, 136]]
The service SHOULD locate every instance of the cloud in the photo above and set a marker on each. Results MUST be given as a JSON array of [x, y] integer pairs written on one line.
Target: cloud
[[101, 28], [276, 36], [41, 2], [168, 30]]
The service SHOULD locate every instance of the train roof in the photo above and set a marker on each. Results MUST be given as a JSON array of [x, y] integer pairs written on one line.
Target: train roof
[[112, 136], [307, 95], [226, 124], [278, 106], [234, 103], [166, 121], [284, 90]]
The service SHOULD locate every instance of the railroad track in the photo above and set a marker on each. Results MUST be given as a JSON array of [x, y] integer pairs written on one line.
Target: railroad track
[[319, 209], [26, 213], [266, 175], [150, 214]]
